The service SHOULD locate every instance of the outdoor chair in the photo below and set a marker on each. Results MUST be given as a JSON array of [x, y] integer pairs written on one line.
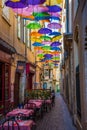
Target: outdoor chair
[[9, 124]]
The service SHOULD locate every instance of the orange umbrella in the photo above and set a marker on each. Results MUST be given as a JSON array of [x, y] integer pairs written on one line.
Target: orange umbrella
[[55, 52], [35, 34], [26, 16]]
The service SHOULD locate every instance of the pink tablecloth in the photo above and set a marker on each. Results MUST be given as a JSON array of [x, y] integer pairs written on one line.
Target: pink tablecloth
[[38, 104], [26, 112], [23, 125], [48, 101]]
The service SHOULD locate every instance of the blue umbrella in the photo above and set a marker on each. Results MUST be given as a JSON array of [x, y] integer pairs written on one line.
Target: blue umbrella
[[54, 8], [37, 44], [45, 31], [55, 44], [55, 34], [35, 2], [56, 48]]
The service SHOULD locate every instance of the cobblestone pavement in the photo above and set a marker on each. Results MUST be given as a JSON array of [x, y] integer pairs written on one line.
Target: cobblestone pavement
[[57, 119]]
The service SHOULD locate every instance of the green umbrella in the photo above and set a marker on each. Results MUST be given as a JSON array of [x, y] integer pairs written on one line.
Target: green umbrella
[[46, 47], [33, 25], [45, 38], [41, 14], [56, 58], [40, 55]]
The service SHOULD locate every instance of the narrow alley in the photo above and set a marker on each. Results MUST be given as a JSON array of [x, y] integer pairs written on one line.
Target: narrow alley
[[58, 118]]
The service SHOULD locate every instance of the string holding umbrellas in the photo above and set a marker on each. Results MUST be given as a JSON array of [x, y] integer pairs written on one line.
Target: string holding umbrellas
[[47, 38]]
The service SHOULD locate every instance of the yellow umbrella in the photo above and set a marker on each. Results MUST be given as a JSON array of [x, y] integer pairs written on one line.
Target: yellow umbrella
[[35, 34], [15, 0], [56, 38], [33, 39]]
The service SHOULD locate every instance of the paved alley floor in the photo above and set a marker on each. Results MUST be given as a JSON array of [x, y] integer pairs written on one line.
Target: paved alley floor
[[58, 118]]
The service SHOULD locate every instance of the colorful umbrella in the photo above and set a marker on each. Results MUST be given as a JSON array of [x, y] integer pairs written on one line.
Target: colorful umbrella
[[33, 39], [47, 42], [35, 2], [45, 38], [33, 25], [45, 31], [55, 52], [17, 4], [46, 48], [35, 34], [54, 8], [56, 58], [40, 55], [56, 38], [37, 44], [15, 0], [48, 55], [41, 14], [54, 25], [55, 34], [38, 8], [55, 44], [55, 48], [54, 14]]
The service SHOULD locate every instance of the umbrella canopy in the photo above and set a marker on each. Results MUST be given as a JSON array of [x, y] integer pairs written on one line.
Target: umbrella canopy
[[33, 39], [45, 38], [33, 25], [17, 4], [40, 55], [56, 38], [35, 34], [55, 48], [35, 2], [46, 48], [41, 14], [55, 44], [55, 34], [55, 52], [45, 31], [56, 58], [38, 8], [47, 42], [54, 14], [54, 25], [37, 44], [48, 55], [54, 8], [15, 0]]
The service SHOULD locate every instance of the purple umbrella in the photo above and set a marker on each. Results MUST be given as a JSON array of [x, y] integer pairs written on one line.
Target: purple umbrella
[[45, 31], [54, 8], [19, 4], [55, 44], [35, 2], [54, 25], [48, 55]]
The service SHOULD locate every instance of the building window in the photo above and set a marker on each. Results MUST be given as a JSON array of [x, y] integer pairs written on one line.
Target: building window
[[18, 27], [5, 10]]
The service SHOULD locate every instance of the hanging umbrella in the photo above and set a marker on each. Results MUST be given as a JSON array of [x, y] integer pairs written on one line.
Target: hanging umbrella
[[45, 38], [54, 25], [56, 58], [56, 38], [48, 55], [54, 14], [40, 14], [37, 44], [33, 25], [15, 0], [55, 34], [45, 31], [54, 18], [17, 4], [29, 17], [35, 40], [55, 44], [40, 55], [46, 48], [35, 34], [55, 48], [35, 2], [55, 52], [54, 8], [47, 42]]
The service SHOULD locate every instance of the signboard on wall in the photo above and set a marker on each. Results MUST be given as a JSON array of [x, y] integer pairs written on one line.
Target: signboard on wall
[[21, 66]]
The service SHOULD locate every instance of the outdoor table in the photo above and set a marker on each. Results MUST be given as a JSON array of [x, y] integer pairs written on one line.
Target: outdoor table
[[23, 125], [38, 104], [26, 112]]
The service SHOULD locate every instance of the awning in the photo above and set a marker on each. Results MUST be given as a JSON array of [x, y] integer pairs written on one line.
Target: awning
[[4, 46]]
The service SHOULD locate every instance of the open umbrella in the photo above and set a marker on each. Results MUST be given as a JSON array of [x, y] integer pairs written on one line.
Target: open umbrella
[[33, 39], [35, 34], [55, 52], [54, 8], [17, 4], [46, 48], [40, 14], [15, 0], [48, 55], [46, 42], [37, 44], [54, 25], [56, 38], [45, 38], [55, 34], [33, 25], [40, 55], [45, 31], [55, 48], [55, 44], [35, 2]]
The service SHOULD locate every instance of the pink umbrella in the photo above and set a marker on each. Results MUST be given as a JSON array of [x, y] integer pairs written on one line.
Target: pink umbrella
[[54, 14], [46, 42], [54, 25]]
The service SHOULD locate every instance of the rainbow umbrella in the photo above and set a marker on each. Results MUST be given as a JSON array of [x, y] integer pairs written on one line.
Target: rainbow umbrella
[[17, 4], [45, 38], [33, 25], [46, 48], [37, 44]]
